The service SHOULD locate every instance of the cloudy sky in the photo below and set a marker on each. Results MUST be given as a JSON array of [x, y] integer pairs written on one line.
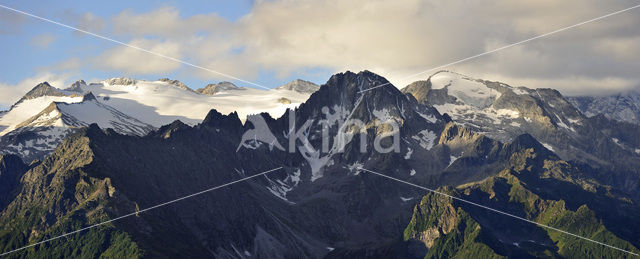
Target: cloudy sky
[[271, 42]]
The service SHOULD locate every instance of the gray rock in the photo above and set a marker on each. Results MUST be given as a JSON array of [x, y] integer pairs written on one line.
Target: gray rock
[[121, 81], [212, 89], [301, 86], [622, 107], [175, 83], [77, 86]]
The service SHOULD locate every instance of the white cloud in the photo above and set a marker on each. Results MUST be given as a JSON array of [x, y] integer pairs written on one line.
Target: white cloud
[[134, 61], [166, 21], [43, 40], [90, 22], [393, 39], [569, 85], [11, 22], [401, 39]]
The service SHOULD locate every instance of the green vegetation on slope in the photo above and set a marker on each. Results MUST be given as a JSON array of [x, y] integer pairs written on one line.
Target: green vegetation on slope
[[450, 228]]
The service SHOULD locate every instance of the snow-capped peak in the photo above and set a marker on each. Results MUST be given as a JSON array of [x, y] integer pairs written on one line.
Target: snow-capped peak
[[42, 89], [128, 106], [467, 90], [41, 133]]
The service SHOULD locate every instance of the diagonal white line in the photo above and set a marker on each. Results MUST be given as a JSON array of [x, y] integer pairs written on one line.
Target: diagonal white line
[[497, 211], [140, 211], [134, 47], [509, 46]]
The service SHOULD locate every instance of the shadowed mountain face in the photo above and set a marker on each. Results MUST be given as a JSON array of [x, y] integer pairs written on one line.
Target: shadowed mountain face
[[11, 170], [319, 204]]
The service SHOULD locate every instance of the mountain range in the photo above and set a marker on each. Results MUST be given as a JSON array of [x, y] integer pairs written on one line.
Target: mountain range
[[39, 121], [622, 106], [103, 150]]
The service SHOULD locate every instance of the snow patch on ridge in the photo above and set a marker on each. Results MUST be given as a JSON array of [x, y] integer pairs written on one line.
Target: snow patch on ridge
[[426, 139], [428, 117], [519, 91], [408, 155], [462, 111], [338, 115], [563, 125], [382, 115], [406, 199], [355, 167], [280, 188], [467, 90], [547, 146], [452, 159], [617, 141]]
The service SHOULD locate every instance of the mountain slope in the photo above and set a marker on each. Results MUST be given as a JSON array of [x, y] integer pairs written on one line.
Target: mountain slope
[[90, 110], [318, 200], [39, 135], [32, 130], [27, 107], [301, 86], [11, 170], [622, 107], [159, 103], [175, 83], [319, 204], [212, 89], [540, 188], [502, 112]]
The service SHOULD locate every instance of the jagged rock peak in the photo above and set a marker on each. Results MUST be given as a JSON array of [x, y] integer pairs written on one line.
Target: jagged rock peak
[[218, 120], [345, 91], [94, 130], [121, 81], [167, 130], [43, 89], [418, 89], [89, 97], [77, 86], [300, 85], [174, 83], [362, 81], [212, 89]]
